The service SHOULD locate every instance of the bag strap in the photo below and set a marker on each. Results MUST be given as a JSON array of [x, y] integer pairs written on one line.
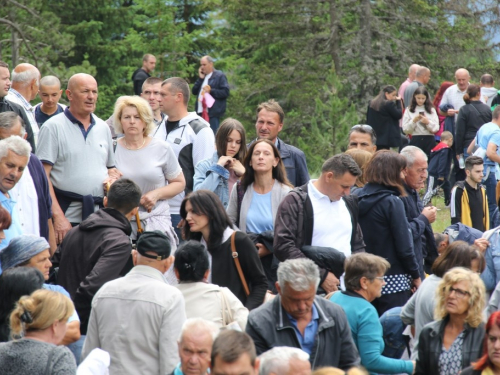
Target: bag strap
[[240, 193], [238, 266], [48, 367]]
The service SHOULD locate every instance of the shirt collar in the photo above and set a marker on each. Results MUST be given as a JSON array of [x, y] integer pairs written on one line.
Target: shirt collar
[[72, 118], [26, 104], [315, 315], [315, 192]]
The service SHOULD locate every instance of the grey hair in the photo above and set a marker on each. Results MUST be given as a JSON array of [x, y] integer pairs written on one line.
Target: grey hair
[[24, 78], [8, 119], [299, 274], [50, 81], [414, 68], [199, 325], [15, 144], [422, 71], [277, 360], [209, 59], [410, 153]]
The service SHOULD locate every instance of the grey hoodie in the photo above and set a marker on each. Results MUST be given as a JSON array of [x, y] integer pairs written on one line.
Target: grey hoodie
[[487, 95]]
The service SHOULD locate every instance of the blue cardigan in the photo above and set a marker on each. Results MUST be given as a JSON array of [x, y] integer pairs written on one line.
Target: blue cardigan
[[367, 335]]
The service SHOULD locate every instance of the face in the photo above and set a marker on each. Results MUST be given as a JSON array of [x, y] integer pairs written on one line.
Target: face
[[151, 93], [83, 96], [297, 304], [4, 82], [474, 266], [297, 367], [50, 96], [375, 287], [268, 125], [16, 129], [131, 121], [42, 263], [493, 345], [11, 170], [150, 64], [196, 222], [362, 141], [420, 99], [233, 143], [242, 366], [426, 78], [338, 187], [194, 351], [206, 66], [416, 175], [457, 301], [476, 173], [263, 159], [391, 95], [462, 79], [168, 101]]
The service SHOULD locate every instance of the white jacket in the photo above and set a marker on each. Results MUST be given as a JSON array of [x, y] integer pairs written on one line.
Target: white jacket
[[418, 128]]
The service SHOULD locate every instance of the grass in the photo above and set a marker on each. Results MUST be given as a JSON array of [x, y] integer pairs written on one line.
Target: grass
[[443, 219]]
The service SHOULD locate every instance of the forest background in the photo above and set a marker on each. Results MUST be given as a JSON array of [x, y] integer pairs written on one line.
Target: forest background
[[323, 60]]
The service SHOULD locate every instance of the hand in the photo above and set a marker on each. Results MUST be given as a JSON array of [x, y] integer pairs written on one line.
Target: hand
[[430, 213], [61, 227], [236, 166], [424, 120], [441, 179], [414, 366], [200, 73], [415, 284], [331, 283], [224, 161], [417, 118], [458, 156], [398, 98], [114, 173], [148, 200], [263, 250], [207, 89], [482, 243], [451, 112], [107, 184]]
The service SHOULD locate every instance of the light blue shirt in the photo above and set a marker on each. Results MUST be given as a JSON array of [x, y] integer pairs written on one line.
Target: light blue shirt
[[15, 226], [488, 133], [307, 341], [260, 215], [60, 289]]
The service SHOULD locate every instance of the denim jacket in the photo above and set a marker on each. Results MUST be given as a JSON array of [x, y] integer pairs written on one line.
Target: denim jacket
[[211, 176], [491, 274]]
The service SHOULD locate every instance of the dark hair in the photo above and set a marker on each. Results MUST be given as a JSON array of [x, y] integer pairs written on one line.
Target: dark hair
[[4, 65], [439, 95], [496, 113], [230, 345], [364, 129], [487, 79], [472, 92], [278, 172], [178, 85], [225, 129], [206, 202], [15, 283], [485, 361], [363, 265], [385, 169], [124, 195], [272, 106], [380, 99], [471, 161], [439, 237], [427, 105], [341, 164], [457, 254], [151, 81], [191, 261], [5, 218]]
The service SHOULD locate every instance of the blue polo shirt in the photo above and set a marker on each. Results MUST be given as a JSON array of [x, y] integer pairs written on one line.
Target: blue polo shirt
[[15, 227], [307, 341]]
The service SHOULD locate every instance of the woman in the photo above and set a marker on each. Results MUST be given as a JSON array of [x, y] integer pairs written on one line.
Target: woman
[[204, 300], [489, 363], [361, 157], [207, 222], [385, 228], [421, 121], [419, 310], [470, 118], [15, 283], [436, 103], [364, 279], [40, 322], [454, 341], [384, 113], [221, 172], [149, 162]]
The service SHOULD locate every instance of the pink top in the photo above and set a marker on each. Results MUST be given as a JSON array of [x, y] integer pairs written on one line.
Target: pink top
[[232, 180]]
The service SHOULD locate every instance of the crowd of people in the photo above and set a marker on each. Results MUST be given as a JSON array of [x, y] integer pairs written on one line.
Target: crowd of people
[[163, 241]]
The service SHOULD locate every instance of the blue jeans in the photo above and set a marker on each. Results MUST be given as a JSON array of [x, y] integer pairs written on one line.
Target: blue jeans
[[76, 348], [214, 123], [393, 328], [491, 185], [176, 218]]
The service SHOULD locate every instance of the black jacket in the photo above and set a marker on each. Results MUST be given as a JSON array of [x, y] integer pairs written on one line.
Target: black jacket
[[430, 345], [470, 118], [138, 78], [440, 161], [295, 163], [269, 326], [386, 231], [6, 106], [385, 122], [219, 89], [92, 254]]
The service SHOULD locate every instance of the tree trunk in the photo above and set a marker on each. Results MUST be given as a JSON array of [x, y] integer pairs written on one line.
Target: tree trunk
[[334, 37], [14, 41]]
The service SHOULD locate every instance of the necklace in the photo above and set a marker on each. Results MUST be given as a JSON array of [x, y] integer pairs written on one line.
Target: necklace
[[134, 149]]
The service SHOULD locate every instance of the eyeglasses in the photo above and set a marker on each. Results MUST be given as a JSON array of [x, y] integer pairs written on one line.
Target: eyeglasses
[[381, 278], [459, 293]]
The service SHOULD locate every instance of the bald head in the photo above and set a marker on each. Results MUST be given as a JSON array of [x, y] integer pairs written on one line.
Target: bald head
[[423, 75], [25, 80], [82, 94], [78, 79], [412, 72], [462, 77], [50, 81]]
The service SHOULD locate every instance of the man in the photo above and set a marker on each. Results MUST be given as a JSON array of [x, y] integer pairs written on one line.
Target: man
[[31, 193], [419, 217], [76, 150], [321, 214], [412, 72], [488, 90], [300, 319], [468, 198], [141, 74], [233, 353], [283, 360], [421, 79], [362, 137], [14, 156], [187, 133], [213, 82], [8, 106], [97, 250], [269, 123], [151, 92], [50, 92], [137, 318], [454, 95], [195, 347]]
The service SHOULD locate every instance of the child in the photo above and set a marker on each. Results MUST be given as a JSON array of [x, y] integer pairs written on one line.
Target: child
[[421, 121], [440, 165]]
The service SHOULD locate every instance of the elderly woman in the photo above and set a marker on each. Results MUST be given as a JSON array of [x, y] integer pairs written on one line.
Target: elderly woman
[[364, 279], [149, 162], [454, 341], [204, 300]]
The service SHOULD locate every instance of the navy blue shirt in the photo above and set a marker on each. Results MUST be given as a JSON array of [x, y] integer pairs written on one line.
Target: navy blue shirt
[[41, 117]]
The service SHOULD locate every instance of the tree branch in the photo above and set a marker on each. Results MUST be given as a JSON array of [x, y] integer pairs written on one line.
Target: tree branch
[[29, 10], [14, 26]]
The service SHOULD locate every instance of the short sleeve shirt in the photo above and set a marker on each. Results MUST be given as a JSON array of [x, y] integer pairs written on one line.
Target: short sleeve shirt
[[488, 133]]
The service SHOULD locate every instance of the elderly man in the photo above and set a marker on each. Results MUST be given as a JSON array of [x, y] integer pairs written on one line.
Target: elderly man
[[421, 79], [419, 217], [283, 360], [412, 71], [454, 95], [298, 318], [362, 137], [213, 82], [195, 347], [141, 74], [76, 150], [50, 92], [138, 318], [233, 352]]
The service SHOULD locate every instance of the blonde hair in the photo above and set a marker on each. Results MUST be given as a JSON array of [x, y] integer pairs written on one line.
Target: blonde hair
[[143, 108], [477, 295], [39, 311], [361, 157]]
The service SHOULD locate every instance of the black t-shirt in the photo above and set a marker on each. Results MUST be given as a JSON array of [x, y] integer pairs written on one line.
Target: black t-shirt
[[171, 125], [139, 76]]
